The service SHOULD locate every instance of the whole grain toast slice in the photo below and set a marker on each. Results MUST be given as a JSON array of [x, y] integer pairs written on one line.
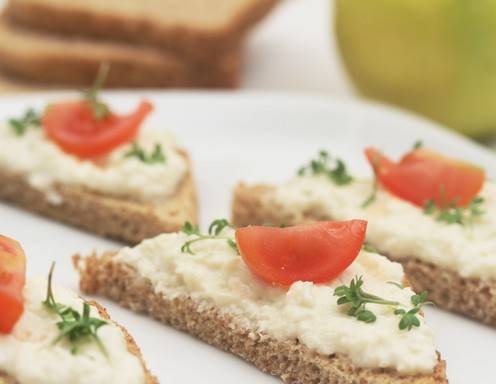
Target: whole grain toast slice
[[74, 61], [123, 219], [290, 360], [475, 298], [132, 347], [193, 28]]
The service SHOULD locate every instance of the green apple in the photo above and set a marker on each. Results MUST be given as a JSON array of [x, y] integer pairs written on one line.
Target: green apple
[[435, 57]]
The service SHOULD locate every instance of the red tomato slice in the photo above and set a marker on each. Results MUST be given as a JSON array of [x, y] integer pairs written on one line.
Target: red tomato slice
[[73, 126], [311, 252], [12, 279], [423, 175]]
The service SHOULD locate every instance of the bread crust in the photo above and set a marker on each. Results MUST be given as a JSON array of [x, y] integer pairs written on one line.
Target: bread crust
[[74, 62], [289, 360], [475, 298], [6, 379], [132, 347], [197, 42], [114, 217]]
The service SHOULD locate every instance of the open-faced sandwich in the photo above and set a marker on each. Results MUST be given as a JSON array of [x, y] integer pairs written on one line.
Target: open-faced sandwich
[[435, 215], [81, 163], [306, 303], [50, 335]]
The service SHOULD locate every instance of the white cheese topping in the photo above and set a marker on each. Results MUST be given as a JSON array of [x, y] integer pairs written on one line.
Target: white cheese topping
[[216, 275], [29, 355], [397, 227], [44, 164]]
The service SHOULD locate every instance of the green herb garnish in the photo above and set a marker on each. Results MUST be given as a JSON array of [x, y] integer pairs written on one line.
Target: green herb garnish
[[100, 109], [400, 286], [375, 185], [474, 206], [156, 156], [31, 118], [74, 326], [417, 145], [217, 226], [324, 164], [271, 225], [190, 229], [452, 214], [214, 231], [367, 247], [356, 299], [409, 319], [373, 194]]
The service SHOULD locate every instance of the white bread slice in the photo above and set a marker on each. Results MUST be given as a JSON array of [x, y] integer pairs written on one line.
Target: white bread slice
[[475, 298], [69, 62], [195, 28], [290, 360], [122, 219], [132, 347]]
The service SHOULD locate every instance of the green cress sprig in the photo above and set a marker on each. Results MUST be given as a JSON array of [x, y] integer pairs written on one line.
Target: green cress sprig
[[155, 157], [31, 118], [324, 164], [409, 319], [452, 214], [373, 194], [100, 109], [214, 231], [417, 145], [356, 299], [74, 326], [375, 184], [367, 247]]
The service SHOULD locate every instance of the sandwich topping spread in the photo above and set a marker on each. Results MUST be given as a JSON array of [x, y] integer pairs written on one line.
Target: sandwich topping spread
[[84, 143], [29, 354], [50, 335], [209, 269], [448, 218], [45, 165]]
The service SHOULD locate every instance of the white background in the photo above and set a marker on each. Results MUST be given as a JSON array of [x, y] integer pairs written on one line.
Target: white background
[[294, 49]]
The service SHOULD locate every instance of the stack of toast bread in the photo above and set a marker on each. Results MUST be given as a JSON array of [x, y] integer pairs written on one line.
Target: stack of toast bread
[[154, 44]]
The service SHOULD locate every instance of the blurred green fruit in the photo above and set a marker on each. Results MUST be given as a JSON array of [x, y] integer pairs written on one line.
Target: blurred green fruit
[[436, 57]]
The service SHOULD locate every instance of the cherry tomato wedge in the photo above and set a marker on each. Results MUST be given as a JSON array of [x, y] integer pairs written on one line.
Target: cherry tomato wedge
[[12, 279], [311, 252], [74, 127], [422, 175]]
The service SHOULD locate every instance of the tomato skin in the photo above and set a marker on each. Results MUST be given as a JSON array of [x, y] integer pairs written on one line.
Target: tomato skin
[[12, 280], [316, 252], [422, 175], [75, 129]]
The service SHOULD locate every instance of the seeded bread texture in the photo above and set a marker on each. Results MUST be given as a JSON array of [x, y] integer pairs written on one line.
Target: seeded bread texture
[[73, 62], [132, 347], [122, 219], [254, 205], [289, 360], [193, 28]]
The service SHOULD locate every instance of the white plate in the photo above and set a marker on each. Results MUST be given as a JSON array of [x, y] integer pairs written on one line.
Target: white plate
[[253, 137]]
